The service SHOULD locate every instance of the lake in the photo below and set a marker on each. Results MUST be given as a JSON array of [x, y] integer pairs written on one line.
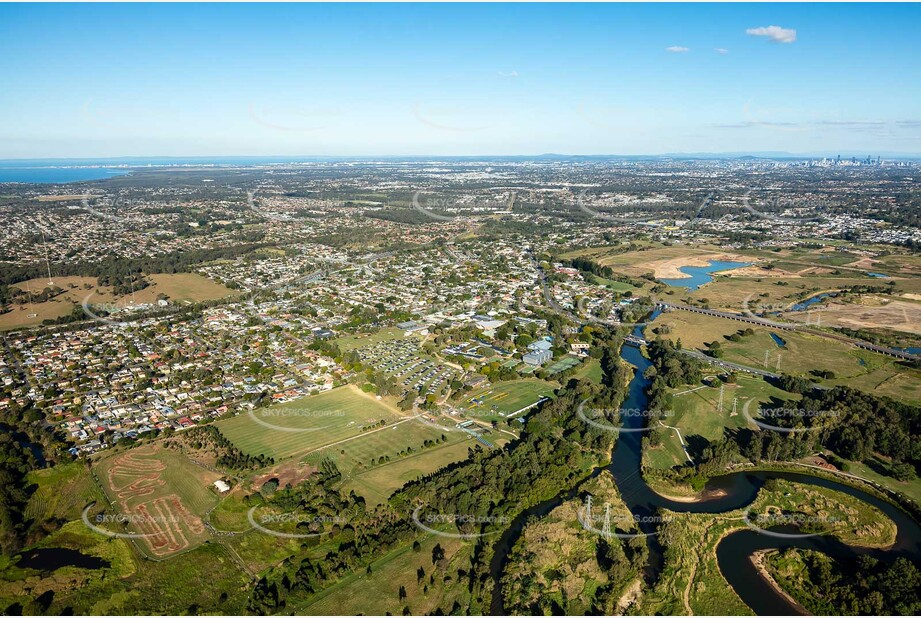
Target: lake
[[53, 558], [701, 275]]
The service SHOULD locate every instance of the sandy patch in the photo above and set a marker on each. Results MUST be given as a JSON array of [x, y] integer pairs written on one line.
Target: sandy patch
[[760, 272], [629, 597], [872, 313], [863, 263], [758, 560], [702, 497]]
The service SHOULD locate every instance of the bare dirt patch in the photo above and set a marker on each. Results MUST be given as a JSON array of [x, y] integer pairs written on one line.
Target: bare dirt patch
[[872, 313], [153, 491], [287, 473]]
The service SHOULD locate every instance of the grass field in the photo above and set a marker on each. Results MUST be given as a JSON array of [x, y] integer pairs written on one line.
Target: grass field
[[163, 493], [507, 397], [338, 417], [179, 287], [362, 340], [377, 593], [803, 353], [590, 370], [377, 483], [311, 423], [911, 489], [696, 414], [61, 492]]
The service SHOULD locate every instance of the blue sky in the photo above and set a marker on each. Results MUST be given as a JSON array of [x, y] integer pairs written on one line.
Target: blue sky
[[346, 79]]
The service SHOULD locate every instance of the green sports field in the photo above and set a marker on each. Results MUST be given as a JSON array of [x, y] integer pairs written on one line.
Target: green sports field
[[303, 425], [507, 397], [376, 483]]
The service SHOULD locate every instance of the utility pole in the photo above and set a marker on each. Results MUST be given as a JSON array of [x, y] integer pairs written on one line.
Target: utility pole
[[47, 261]]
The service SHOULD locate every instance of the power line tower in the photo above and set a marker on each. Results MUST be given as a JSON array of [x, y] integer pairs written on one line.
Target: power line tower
[[47, 261], [720, 407], [606, 528]]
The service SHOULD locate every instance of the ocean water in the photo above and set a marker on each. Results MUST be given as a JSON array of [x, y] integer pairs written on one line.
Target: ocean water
[[51, 175]]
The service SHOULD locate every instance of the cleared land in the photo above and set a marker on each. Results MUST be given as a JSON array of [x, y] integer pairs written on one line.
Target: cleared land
[[162, 494], [179, 288], [872, 312]]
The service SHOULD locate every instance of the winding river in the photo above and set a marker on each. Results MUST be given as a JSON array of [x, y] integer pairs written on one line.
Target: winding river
[[722, 494]]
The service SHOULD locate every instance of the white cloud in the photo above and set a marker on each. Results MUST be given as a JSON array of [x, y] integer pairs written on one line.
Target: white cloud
[[721, 51], [677, 49], [775, 33], [508, 73]]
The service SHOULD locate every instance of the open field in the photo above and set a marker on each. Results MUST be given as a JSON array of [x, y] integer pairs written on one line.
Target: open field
[[377, 593], [872, 312], [504, 398], [162, 493], [61, 492], [590, 370], [911, 489], [697, 415], [361, 340], [734, 293], [377, 483], [179, 287], [308, 423], [801, 354]]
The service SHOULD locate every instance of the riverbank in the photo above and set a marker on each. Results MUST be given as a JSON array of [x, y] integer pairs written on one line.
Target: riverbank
[[758, 559]]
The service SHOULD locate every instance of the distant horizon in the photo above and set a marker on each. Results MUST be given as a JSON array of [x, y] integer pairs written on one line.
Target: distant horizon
[[423, 157]]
